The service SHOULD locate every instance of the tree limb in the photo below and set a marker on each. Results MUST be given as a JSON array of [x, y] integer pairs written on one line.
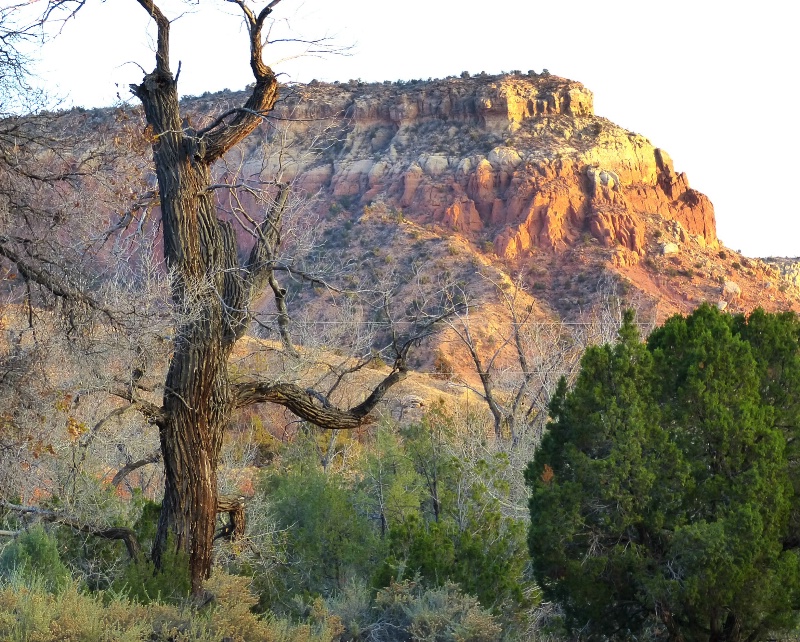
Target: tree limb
[[50, 282], [314, 407], [104, 532], [262, 100], [162, 51], [234, 506], [127, 469], [154, 414]]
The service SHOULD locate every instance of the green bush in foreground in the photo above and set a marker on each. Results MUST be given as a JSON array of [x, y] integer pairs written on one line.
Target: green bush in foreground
[[409, 610], [401, 612], [662, 494], [34, 553]]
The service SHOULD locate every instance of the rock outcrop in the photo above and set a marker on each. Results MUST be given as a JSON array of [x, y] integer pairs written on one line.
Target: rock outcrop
[[521, 161], [789, 268]]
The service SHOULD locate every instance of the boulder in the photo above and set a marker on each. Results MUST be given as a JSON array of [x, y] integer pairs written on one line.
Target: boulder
[[731, 290], [670, 248]]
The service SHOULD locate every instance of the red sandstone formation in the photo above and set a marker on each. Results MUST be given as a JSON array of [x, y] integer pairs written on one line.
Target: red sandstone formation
[[517, 160]]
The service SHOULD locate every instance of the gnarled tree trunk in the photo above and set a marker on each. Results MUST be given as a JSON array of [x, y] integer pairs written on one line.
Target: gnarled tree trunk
[[213, 292], [209, 287]]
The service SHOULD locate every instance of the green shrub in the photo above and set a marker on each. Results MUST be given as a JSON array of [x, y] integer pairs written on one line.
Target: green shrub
[[31, 613], [442, 614], [328, 541], [141, 582], [409, 610], [446, 541], [34, 553]]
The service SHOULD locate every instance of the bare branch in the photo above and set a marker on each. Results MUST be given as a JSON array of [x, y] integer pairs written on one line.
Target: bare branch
[[154, 414], [122, 473], [311, 405], [104, 532], [162, 51], [50, 281], [262, 100]]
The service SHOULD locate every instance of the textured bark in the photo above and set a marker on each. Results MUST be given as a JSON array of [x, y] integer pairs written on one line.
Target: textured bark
[[200, 250], [234, 506], [311, 405], [210, 282]]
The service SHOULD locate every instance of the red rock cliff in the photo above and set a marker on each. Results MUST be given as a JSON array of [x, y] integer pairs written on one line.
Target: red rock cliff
[[517, 160]]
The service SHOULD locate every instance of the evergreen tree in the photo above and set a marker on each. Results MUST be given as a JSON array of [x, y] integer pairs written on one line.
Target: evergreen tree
[[661, 494]]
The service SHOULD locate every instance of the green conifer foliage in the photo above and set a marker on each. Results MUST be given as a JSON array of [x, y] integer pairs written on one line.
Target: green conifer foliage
[[34, 553], [661, 495]]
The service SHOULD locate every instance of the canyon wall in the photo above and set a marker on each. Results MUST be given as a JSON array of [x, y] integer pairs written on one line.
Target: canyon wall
[[520, 161]]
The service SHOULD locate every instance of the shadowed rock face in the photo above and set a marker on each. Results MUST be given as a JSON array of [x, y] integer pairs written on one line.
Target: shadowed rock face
[[517, 160]]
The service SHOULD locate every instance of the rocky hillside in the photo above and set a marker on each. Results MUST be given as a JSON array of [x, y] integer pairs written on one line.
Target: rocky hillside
[[520, 171]]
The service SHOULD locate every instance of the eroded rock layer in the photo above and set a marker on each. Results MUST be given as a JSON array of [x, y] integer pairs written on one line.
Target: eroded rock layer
[[517, 160]]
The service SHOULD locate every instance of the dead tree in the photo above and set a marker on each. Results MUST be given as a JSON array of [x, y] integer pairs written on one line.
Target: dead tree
[[519, 367], [212, 290], [201, 251]]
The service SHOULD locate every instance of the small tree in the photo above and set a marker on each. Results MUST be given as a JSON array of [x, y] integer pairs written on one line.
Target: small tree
[[661, 495]]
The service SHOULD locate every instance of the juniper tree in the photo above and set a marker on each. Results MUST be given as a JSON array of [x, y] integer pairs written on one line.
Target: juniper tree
[[661, 495]]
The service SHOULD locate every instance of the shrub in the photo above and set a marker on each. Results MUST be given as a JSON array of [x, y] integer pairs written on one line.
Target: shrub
[[34, 553], [409, 611], [142, 583], [446, 540], [328, 542], [30, 613]]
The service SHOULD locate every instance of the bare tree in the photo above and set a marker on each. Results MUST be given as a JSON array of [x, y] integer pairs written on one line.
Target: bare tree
[[214, 281], [519, 366]]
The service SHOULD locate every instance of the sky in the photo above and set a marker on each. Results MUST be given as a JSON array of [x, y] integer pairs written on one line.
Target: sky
[[711, 82]]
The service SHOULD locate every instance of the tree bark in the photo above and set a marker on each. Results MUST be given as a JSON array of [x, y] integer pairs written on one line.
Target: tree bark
[[198, 250], [212, 292]]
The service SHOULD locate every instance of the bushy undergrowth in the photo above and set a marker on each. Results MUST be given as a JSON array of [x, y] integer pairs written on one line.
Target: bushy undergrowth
[[409, 610], [29, 612], [34, 553], [403, 534]]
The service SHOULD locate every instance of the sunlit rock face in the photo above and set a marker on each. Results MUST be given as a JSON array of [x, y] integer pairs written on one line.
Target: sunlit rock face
[[518, 160]]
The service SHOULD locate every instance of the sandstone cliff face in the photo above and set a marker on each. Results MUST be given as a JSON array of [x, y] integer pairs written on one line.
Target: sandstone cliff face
[[520, 161]]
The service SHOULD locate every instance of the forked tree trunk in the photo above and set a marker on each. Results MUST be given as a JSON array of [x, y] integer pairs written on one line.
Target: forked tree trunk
[[208, 292], [211, 294], [197, 398]]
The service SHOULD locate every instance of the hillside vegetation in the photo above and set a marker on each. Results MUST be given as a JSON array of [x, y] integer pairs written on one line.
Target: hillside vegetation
[[273, 363]]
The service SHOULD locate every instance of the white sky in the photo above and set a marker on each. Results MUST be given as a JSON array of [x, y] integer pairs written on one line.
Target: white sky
[[710, 81]]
